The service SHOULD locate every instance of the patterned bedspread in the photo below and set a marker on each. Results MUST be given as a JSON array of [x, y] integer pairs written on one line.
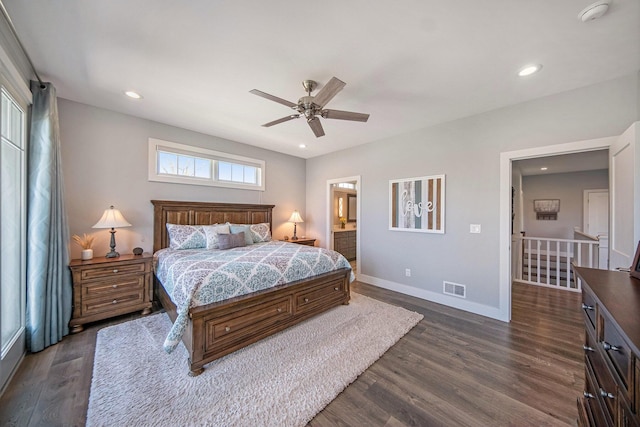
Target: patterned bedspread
[[194, 277]]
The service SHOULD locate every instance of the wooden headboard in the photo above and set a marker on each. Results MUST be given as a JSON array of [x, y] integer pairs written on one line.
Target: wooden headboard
[[203, 213]]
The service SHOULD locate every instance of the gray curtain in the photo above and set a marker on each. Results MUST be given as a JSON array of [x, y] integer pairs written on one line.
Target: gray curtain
[[49, 291]]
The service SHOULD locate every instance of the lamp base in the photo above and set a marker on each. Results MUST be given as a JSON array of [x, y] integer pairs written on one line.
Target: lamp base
[[112, 254], [294, 232]]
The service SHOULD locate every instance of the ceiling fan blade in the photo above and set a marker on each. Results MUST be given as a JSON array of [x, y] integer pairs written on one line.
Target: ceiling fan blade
[[345, 115], [329, 90], [282, 120], [316, 127], [273, 98]]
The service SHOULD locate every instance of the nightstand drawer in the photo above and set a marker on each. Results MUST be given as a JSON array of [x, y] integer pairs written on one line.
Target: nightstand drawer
[[107, 304], [116, 287], [114, 270]]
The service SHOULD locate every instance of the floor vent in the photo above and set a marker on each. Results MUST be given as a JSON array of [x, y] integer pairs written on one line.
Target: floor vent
[[454, 289]]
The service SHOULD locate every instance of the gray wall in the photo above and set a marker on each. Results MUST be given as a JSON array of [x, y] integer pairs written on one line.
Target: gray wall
[[104, 158], [568, 188], [468, 152]]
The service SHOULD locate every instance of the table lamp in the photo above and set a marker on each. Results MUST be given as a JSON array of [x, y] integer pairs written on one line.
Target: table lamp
[[295, 219], [112, 218]]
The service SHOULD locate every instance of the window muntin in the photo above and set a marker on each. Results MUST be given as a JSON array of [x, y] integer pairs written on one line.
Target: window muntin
[[178, 163]]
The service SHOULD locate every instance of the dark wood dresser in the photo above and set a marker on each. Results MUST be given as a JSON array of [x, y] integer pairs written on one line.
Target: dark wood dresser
[[611, 306]]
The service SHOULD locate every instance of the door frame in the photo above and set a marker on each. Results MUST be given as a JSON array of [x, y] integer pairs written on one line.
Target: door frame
[[329, 213], [506, 159]]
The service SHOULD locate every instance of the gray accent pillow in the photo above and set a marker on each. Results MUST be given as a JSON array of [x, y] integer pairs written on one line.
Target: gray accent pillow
[[228, 241]]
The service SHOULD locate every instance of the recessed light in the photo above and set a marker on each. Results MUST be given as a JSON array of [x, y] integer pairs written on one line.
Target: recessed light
[[302, 146], [529, 69], [132, 94], [544, 168]]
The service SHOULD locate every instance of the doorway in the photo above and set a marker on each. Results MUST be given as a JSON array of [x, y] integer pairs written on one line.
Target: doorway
[[506, 160], [343, 229]]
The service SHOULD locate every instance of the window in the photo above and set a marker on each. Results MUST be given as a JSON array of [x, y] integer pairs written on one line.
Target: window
[[184, 164], [12, 231]]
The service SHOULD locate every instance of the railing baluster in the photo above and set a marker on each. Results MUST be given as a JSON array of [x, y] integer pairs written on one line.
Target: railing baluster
[[548, 263], [558, 259], [538, 261]]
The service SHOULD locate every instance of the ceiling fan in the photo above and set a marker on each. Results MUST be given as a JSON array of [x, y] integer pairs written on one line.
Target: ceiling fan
[[312, 107]]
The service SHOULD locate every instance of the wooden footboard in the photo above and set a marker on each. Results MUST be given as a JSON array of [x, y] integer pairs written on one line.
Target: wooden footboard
[[218, 329]]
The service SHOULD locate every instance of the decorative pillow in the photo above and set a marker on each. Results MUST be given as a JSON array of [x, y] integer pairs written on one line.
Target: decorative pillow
[[186, 236], [260, 232], [242, 228], [228, 241], [212, 232]]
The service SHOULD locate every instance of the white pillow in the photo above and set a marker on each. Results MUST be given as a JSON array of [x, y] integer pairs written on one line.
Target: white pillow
[[212, 231]]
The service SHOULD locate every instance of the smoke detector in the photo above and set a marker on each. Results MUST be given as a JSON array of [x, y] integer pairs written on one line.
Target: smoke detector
[[594, 11]]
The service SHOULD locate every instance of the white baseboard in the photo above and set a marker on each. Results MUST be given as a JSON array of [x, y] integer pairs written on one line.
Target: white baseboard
[[455, 302]]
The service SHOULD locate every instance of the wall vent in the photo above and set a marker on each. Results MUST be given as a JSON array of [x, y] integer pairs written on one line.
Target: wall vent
[[454, 289]]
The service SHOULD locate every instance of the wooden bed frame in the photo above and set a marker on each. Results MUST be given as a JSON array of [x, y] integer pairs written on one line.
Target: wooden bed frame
[[218, 329]]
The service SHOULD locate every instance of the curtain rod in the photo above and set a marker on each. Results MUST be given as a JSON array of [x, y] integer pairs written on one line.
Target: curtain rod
[[15, 35]]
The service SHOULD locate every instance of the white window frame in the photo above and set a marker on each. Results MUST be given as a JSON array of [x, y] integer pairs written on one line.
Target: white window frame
[[157, 145]]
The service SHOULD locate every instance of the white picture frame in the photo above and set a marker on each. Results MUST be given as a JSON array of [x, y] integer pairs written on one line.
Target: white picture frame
[[417, 204]]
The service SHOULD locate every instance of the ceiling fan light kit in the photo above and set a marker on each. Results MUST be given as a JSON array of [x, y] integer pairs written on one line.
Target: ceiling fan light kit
[[312, 107]]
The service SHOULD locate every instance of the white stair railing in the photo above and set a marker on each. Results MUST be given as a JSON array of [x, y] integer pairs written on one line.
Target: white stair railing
[[547, 262]]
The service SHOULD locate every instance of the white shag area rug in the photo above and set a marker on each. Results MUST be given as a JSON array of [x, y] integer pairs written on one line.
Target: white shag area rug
[[283, 380]]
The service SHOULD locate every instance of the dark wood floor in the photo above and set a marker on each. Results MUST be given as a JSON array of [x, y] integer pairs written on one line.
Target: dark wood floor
[[453, 369]]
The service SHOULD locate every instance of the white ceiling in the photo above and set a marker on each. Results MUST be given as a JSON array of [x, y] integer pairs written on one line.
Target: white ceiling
[[408, 63]]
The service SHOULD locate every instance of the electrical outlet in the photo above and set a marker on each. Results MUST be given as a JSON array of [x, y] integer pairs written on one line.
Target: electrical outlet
[[407, 272], [474, 228]]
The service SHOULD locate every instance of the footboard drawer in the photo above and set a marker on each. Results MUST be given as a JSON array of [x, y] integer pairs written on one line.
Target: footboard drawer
[[325, 294], [240, 325]]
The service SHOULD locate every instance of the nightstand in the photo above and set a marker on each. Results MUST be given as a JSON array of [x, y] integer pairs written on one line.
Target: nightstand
[[108, 287], [302, 241]]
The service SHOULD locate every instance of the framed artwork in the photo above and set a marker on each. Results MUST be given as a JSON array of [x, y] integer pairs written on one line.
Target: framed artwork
[[417, 204], [635, 267], [546, 209]]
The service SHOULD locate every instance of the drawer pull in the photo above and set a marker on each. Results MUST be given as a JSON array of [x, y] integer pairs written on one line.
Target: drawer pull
[[279, 310], [115, 301], [611, 347], [306, 300], [228, 328], [114, 286], [115, 270], [587, 307], [606, 394], [336, 289], [588, 395], [587, 348]]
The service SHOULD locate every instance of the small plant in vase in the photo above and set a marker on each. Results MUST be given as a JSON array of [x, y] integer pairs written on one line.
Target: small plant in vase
[[343, 222], [86, 243]]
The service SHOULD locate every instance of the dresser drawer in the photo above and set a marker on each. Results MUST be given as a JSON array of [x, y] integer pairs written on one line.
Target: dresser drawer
[[604, 385], [616, 350], [321, 295], [111, 271], [589, 309], [594, 413], [237, 326]]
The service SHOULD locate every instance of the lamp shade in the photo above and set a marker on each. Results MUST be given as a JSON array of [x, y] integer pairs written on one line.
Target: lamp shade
[[112, 218], [295, 217]]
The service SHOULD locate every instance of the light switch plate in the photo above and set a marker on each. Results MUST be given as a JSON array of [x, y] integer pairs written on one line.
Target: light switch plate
[[474, 228]]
